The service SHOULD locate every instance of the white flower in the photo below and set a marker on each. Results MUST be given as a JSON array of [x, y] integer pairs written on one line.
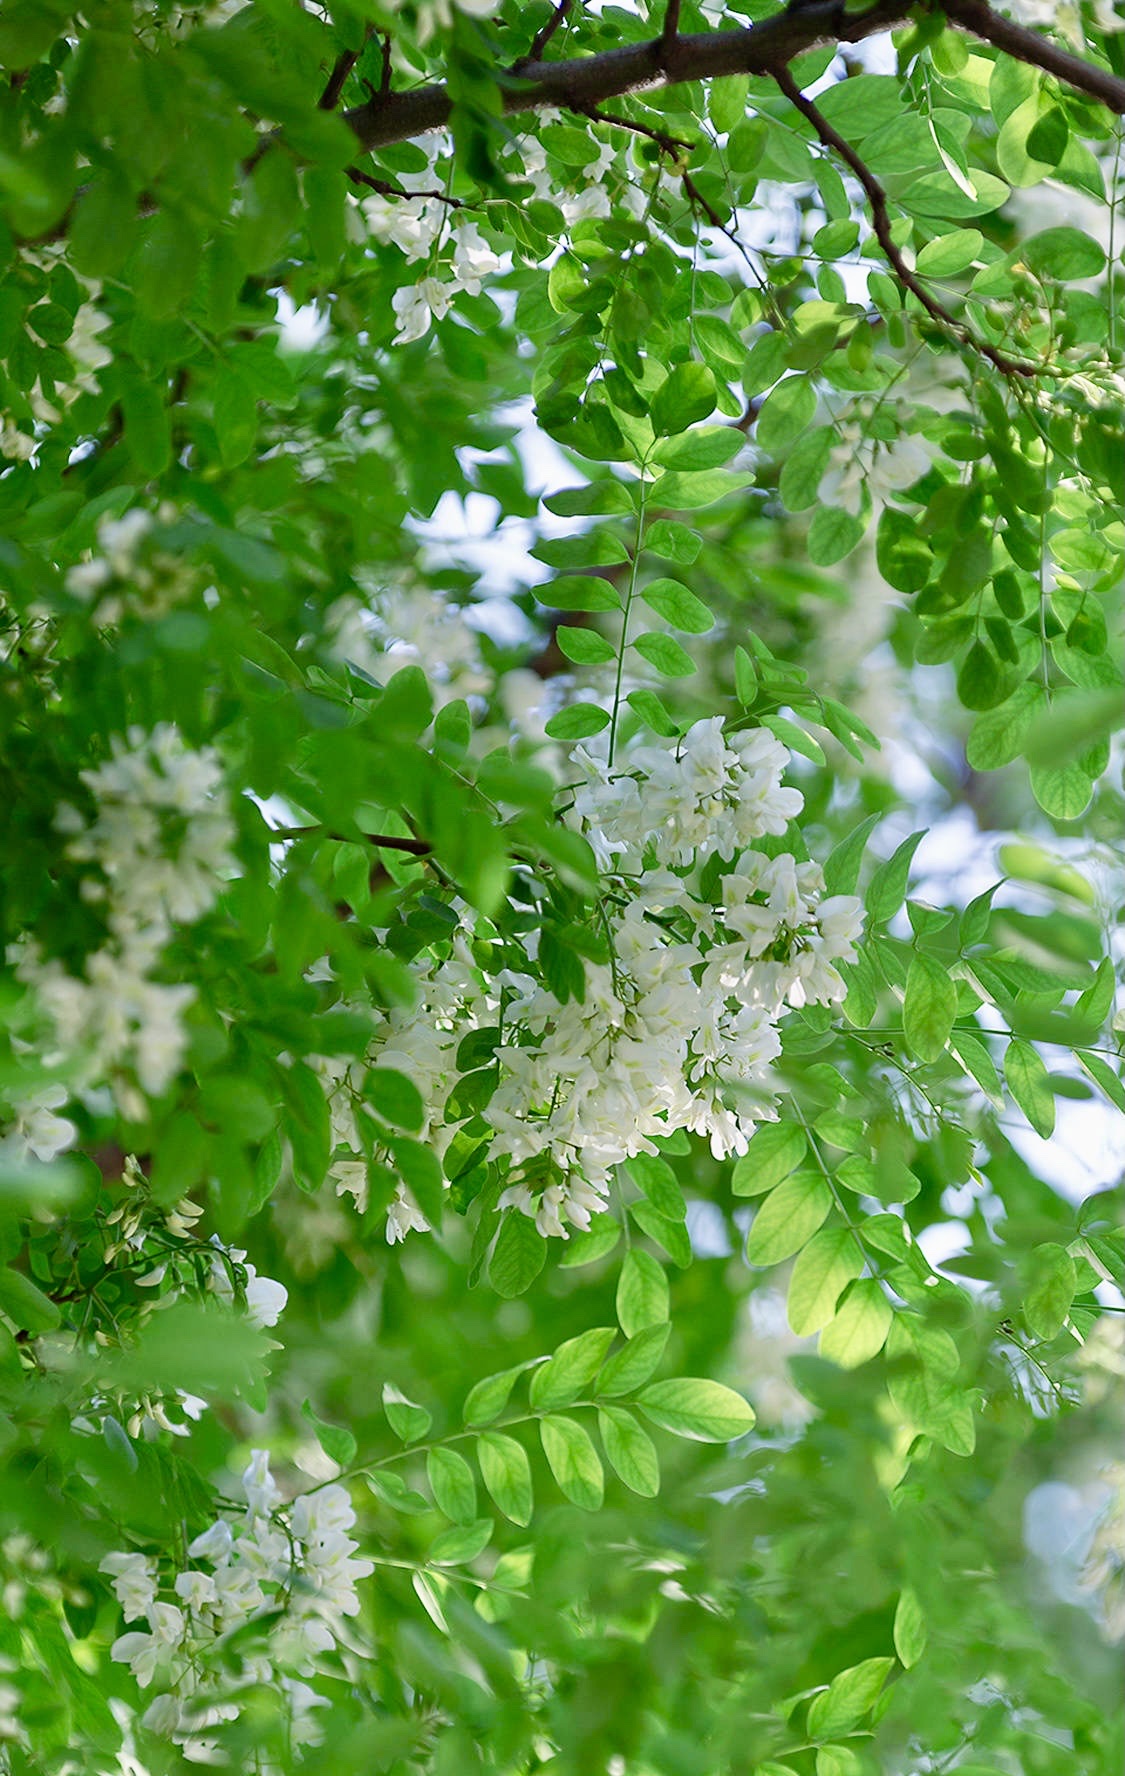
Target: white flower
[[133, 1578], [258, 1485], [404, 1216], [214, 1544], [265, 1298], [473, 258], [195, 1590], [416, 305]]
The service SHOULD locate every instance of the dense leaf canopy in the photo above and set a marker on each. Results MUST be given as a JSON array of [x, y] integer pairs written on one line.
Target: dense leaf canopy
[[559, 693]]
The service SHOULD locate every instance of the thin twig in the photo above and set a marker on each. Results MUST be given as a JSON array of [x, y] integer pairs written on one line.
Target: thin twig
[[388, 188], [670, 145], [388, 841], [543, 36], [881, 219]]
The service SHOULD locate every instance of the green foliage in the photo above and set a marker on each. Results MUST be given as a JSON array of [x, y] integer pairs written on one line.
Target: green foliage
[[560, 700]]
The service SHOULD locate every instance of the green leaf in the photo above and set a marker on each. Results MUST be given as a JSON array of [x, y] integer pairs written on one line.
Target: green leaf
[[518, 1256], [982, 682], [929, 1008], [25, 1304], [833, 534], [1064, 253], [1052, 1284], [822, 1271], [488, 1398], [584, 646], [668, 657], [578, 592], [705, 1411], [630, 1451], [578, 722], [673, 541], [656, 1178], [998, 737], [708, 448], [680, 491], [393, 1491], [570, 1371], [785, 413], [841, 870], [909, 1628], [775, 1150], [1030, 1085], [849, 1696], [859, 1330], [634, 1362], [678, 606], [686, 396], [887, 889], [406, 1420], [506, 1473], [949, 253], [642, 1293], [788, 1218], [395, 1097], [452, 1484], [337, 1442], [1104, 1078], [573, 1461], [1064, 793], [461, 1543]]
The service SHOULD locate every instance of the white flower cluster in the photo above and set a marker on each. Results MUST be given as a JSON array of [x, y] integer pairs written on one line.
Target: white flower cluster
[[126, 572], [161, 840], [420, 1040], [678, 1030], [409, 625], [417, 226], [301, 1563], [710, 942], [865, 469]]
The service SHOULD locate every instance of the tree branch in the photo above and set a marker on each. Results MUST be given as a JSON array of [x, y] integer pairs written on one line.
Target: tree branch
[[543, 36], [881, 219], [1028, 46], [343, 66], [576, 84]]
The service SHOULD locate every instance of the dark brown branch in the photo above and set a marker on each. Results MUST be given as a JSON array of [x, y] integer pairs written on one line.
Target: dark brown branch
[[388, 188], [1028, 46], [671, 25], [543, 36], [413, 847], [343, 66], [881, 219], [576, 84], [673, 146]]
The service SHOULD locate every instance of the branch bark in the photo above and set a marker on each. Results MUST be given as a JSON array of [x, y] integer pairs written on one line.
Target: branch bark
[[577, 84]]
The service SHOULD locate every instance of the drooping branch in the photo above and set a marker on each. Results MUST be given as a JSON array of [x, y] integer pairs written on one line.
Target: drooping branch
[[671, 60], [881, 221]]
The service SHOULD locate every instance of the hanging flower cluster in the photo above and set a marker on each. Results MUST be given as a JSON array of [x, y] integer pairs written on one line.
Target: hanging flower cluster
[[160, 842], [294, 1572], [706, 942]]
